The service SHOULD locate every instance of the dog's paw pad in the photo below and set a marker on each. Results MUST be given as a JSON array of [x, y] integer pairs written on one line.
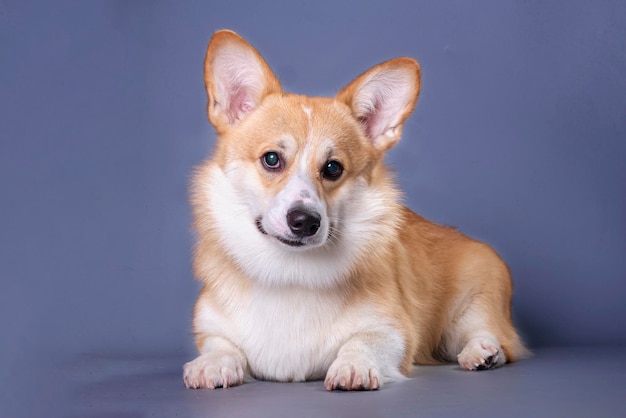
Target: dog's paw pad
[[481, 354], [489, 362]]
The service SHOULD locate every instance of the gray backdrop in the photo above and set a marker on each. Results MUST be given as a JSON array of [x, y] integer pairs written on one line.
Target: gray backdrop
[[519, 139]]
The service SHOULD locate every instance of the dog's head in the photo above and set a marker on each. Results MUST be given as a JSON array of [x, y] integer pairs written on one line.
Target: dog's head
[[305, 172]]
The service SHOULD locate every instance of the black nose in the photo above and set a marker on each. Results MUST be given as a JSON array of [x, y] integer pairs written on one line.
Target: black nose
[[302, 222]]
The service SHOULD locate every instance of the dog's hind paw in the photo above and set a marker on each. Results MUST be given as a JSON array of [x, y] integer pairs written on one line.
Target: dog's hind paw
[[481, 354]]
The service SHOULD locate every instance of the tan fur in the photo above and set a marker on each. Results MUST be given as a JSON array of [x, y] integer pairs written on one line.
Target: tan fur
[[430, 283]]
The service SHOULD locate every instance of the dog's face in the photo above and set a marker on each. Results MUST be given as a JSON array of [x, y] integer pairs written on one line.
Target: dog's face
[[303, 170], [297, 161]]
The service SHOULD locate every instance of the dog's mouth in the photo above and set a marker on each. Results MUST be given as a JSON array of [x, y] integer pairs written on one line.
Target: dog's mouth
[[291, 243]]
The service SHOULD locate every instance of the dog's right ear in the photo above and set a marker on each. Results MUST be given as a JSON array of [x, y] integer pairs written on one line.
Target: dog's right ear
[[237, 79]]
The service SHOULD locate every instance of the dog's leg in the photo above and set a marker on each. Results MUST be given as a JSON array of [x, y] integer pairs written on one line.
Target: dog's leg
[[480, 334], [483, 337], [478, 331], [220, 364], [366, 361]]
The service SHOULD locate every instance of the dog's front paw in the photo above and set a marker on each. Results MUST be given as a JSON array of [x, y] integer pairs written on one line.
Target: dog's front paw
[[481, 354], [353, 373], [214, 370]]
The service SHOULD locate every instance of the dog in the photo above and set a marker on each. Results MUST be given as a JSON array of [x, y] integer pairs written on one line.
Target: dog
[[311, 268]]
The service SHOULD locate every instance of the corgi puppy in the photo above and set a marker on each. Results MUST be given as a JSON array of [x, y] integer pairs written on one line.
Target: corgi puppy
[[311, 267]]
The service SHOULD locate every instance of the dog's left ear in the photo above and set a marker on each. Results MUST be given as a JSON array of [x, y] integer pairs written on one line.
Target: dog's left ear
[[382, 99]]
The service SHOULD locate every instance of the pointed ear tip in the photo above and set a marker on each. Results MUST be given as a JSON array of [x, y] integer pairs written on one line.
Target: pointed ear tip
[[222, 41], [225, 33], [224, 36], [409, 64]]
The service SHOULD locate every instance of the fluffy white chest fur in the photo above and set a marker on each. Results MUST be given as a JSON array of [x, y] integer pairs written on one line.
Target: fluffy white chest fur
[[288, 334]]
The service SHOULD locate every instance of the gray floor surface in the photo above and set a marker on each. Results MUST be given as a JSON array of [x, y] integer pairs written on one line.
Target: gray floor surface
[[556, 382]]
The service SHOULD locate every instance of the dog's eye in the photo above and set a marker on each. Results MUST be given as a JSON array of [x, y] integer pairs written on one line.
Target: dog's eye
[[271, 160], [332, 170]]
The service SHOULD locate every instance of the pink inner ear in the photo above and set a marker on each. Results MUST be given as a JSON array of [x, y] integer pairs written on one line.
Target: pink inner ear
[[240, 104], [380, 101], [366, 122], [373, 121]]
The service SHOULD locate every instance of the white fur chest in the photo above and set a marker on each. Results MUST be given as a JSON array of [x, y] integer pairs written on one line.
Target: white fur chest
[[286, 334]]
